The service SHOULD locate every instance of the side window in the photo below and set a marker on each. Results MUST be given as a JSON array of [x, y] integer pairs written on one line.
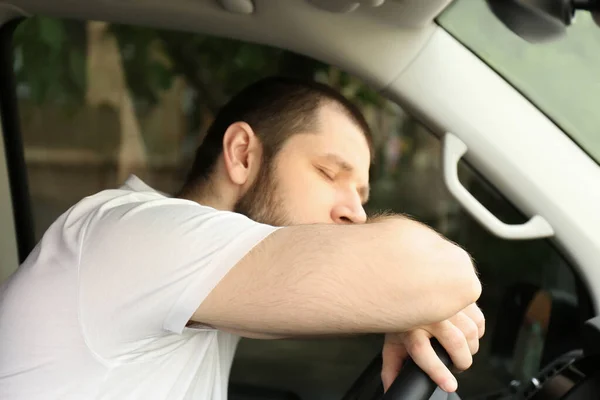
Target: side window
[[98, 102], [530, 293]]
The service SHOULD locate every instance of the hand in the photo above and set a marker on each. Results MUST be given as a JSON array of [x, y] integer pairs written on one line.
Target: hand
[[459, 335]]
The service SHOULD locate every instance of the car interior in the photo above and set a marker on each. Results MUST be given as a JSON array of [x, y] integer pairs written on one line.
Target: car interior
[[486, 119]]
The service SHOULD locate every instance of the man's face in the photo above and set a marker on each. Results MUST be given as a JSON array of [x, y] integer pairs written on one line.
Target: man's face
[[316, 177]]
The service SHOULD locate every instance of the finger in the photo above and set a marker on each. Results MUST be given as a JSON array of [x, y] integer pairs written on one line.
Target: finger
[[454, 341], [394, 353], [469, 330], [419, 348], [475, 313]]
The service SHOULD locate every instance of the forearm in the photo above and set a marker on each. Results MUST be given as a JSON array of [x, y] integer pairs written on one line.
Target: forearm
[[391, 275]]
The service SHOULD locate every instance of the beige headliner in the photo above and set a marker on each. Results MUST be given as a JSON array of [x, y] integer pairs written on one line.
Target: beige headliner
[[374, 43]]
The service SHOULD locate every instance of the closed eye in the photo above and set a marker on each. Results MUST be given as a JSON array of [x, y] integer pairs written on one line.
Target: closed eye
[[327, 174]]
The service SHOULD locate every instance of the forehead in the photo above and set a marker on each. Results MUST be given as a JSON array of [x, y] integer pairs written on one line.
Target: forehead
[[335, 133]]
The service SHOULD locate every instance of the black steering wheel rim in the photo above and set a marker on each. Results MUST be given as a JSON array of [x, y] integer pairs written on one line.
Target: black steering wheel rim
[[411, 384]]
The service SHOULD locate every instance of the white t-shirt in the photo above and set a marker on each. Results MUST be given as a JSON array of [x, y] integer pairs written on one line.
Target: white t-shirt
[[99, 309]]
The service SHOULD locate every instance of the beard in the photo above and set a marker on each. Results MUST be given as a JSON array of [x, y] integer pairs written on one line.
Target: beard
[[262, 202]]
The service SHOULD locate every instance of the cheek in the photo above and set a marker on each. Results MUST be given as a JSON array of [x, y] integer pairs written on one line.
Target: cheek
[[308, 197]]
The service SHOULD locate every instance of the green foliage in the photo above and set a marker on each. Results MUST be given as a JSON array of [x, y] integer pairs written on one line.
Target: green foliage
[[146, 72], [216, 67], [50, 59], [50, 66]]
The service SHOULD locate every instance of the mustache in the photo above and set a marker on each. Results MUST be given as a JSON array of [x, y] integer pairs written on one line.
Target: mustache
[[382, 215]]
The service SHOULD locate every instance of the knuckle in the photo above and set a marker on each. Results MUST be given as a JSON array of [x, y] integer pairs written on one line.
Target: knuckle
[[478, 317], [437, 326], [471, 331], [455, 341], [472, 308], [479, 313], [418, 346], [481, 325]]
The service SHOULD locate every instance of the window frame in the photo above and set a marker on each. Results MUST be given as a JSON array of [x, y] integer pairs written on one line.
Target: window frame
[[13, 143]]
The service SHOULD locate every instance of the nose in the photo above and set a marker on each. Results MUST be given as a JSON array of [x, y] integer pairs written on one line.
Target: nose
[[349, 213]]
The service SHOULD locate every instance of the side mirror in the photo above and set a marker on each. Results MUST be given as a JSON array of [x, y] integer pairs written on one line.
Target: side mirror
[[541, 20]]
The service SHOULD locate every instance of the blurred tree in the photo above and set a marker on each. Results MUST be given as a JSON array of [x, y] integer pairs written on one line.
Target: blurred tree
[[50, 59], [107, 86]]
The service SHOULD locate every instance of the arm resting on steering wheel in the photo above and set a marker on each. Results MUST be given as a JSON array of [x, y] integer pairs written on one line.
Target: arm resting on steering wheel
[[391, 275]]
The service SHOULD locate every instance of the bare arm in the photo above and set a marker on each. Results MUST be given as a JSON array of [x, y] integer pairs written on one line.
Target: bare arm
[[388, 276]]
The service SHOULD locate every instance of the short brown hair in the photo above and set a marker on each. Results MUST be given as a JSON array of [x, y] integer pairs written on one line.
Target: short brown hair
[[276, 108]]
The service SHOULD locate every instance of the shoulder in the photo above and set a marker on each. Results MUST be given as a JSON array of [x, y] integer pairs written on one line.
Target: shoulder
[[154, 218]]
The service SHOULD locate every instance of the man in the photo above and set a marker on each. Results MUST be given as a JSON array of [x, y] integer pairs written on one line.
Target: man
[[134, 295]]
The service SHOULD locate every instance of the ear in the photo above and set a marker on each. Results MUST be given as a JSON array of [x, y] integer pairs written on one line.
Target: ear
[[241, 152]]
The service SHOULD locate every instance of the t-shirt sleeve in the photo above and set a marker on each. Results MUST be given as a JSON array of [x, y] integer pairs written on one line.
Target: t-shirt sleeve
[[146, 267]]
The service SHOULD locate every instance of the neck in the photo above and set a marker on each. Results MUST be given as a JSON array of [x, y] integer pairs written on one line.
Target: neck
[[213, 201], [208, 196]]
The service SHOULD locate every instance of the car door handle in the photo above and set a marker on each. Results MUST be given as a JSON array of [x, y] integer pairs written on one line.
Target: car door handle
[[453, 150]]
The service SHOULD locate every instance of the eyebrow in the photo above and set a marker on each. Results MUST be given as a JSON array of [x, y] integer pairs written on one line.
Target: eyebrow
[[363, 191]]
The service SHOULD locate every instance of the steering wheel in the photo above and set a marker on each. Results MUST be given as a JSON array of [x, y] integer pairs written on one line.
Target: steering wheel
[[411, 384], [414, 384]]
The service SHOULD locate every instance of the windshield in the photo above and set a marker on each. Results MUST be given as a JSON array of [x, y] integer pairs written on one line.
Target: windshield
[[562, 78]]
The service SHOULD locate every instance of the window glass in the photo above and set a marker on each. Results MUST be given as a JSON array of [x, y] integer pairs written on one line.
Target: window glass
[[560, 77], [98, 102]]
